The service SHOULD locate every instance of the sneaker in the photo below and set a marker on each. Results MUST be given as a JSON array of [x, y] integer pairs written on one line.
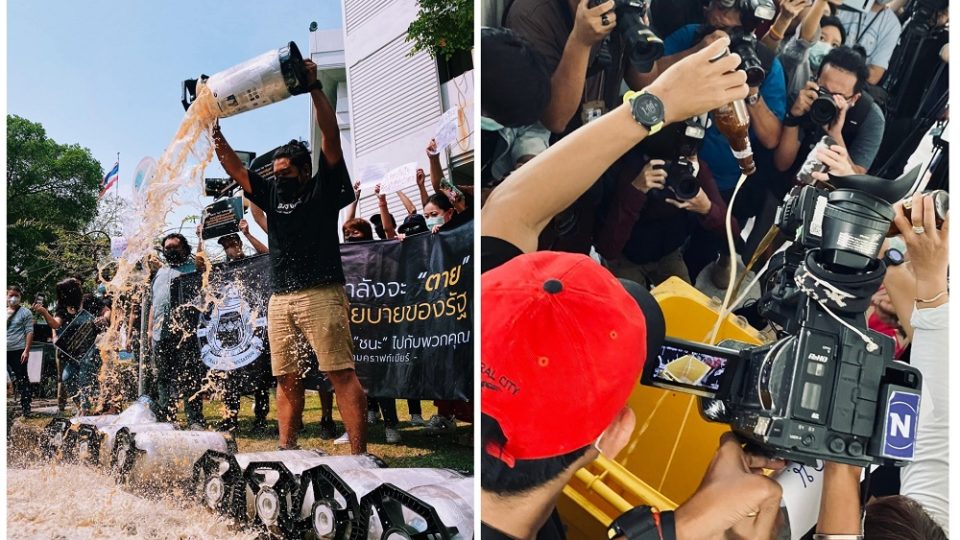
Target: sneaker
[[416, 420], [343, 439], [372, 417], [393, 436], [328, 430], [439, 425]]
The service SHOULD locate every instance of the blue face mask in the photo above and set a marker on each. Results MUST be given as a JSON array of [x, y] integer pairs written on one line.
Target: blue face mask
[[434, 221], [816, 54]]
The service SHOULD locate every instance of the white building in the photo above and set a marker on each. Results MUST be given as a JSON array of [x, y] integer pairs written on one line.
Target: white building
[[388, 103]]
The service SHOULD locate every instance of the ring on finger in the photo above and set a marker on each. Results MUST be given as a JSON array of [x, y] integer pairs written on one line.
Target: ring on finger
[[604, 20], [919, 229]]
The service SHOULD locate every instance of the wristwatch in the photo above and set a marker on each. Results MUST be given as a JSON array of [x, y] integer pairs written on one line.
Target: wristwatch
[[752, 99], [893, 257], [791, 120], [647, 109], [643, 523]]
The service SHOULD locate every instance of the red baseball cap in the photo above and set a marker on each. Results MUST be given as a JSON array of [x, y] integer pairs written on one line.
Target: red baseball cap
[[564, 343]]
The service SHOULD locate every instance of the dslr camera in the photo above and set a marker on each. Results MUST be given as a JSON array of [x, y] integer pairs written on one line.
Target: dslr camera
[[828, 388], [751, 11], [823, 110], [745, 44], [223, 216], [675, 144], [642, 46]]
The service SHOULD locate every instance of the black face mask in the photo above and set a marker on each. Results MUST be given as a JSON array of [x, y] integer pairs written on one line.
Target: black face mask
[[175, 257], [288, 187]]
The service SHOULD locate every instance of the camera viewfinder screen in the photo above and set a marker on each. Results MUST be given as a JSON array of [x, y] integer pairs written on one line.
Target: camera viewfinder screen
[[699, 370]]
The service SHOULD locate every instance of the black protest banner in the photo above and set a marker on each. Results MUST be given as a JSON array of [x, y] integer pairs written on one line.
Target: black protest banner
[[411, 306], [78, 337]]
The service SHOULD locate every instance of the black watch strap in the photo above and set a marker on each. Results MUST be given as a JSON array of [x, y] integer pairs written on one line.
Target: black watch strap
[[315, 85], [791, 120], [642, 523]]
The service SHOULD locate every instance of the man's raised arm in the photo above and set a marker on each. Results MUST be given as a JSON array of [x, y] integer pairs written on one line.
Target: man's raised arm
[[326, 118], [229, 160]]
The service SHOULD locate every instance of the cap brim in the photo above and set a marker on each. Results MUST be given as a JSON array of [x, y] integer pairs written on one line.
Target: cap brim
[[652, 314]]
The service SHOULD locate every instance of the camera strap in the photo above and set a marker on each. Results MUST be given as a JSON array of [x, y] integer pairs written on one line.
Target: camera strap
[[861, 33], [828, 295]]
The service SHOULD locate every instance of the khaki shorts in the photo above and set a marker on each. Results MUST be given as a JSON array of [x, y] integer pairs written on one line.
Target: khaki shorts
[[317, 318]]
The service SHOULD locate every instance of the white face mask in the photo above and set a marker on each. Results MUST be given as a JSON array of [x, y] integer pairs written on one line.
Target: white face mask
[[434, 221], [13, 301], [816, 54]]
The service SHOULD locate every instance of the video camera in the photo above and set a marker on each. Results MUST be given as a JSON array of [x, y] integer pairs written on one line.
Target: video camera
[[642, 47], [751, 11], [829, 388]]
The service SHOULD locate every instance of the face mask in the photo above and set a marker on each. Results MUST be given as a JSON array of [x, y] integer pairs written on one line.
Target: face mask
[[817, 52], [13, 301], [287, 188], [174, 256], [489, 124], [434, 221]]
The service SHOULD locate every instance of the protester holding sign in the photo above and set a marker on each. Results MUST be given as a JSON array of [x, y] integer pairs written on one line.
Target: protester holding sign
[[306, 272]]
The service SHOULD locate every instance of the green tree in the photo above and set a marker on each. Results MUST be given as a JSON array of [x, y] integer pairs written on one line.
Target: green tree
[[51, 196], [442, 28]]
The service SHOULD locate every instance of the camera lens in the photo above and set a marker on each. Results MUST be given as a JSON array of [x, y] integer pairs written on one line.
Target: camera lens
[[854, 226], [823, 109], [643, 47], [745, 44], [681, 179]]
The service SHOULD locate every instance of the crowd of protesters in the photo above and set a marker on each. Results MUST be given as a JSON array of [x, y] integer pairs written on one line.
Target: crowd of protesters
[[599, 162], [307, 318]]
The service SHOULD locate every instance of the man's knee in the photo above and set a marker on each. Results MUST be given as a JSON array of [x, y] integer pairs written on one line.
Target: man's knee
[[341, 376]]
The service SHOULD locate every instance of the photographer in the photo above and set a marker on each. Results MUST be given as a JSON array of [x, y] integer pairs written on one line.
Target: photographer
[[801, 55], [306, 272], [19, 340], [644, 233], [921, 511], [528, 456], [856, 124], [876, 32]]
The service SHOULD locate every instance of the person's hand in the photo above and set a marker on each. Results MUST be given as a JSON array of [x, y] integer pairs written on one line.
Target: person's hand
[[436, 229], [696, 85], [589, 27], [421, 177], [837, 161], [789, 9], [700, 204], [356, 189], [652, 176], [199, 231], [710, 38], [929, 249], [804, 99], [311, 71], [38, 308], [734, 500], [25, 356], [381, 196], [244, 227], [401, 236], [432, 152], [201, 264], [835, 129]]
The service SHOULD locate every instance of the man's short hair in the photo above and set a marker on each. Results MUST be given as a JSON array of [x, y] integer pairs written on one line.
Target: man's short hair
[[848, 60], [526, 474], [378, 225], [16, 288], [514, 77], [181, 238], [835, 22], [223, 240], [297, 153]]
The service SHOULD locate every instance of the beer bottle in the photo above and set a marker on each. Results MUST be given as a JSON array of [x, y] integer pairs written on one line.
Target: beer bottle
[[941, 204], [733, 121]]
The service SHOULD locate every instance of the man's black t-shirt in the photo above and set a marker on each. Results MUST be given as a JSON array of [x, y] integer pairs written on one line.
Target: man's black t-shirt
[[304, 244]]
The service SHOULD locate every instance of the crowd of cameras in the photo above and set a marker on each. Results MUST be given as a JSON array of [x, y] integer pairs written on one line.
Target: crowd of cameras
[[847, 116]]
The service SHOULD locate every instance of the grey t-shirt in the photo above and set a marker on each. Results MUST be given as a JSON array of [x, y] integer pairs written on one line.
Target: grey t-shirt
[[863, 149], [878, 37], [18, 326], [161, 294]]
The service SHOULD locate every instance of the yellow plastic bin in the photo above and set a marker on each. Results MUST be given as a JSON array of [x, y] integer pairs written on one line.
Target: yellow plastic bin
[[671, 446]]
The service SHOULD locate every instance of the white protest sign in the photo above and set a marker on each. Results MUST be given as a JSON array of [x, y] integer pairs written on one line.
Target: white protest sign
[[372, 173], [118, 245], [35, 366], [447, 128], [398, 178]]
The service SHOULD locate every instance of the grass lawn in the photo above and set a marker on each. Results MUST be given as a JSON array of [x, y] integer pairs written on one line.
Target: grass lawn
[[414, 450]]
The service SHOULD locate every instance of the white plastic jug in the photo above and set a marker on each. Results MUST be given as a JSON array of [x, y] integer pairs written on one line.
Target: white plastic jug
[[271, 77]]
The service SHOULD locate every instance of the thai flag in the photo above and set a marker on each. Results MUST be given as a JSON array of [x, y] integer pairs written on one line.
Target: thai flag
[[110, 179]]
